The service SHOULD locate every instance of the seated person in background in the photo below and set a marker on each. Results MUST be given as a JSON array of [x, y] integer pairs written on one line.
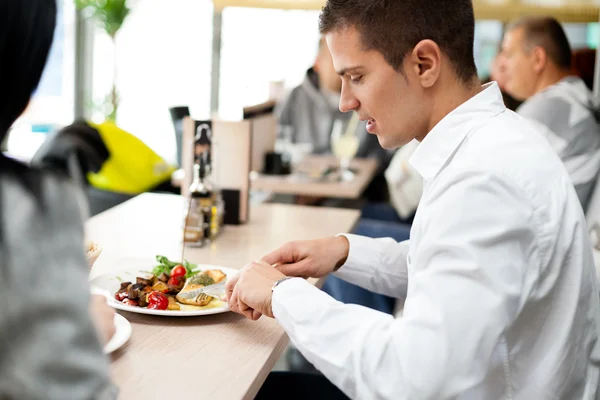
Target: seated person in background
[[537, 62], [405, 184], [50, 331], [311, 109], [498, 74], [405, 187]]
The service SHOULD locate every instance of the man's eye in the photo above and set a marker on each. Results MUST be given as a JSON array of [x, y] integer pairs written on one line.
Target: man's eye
[[356, 79]]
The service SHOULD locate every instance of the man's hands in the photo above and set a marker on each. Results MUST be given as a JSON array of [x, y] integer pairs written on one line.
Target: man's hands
[[310, 258], [250, 292]]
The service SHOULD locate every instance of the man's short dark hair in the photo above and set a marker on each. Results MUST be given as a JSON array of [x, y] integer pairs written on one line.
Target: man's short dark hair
[[395, 27], [547, 33]]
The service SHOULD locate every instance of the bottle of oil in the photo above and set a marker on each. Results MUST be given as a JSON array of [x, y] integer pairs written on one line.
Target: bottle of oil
[[199, 220], [213, 176]]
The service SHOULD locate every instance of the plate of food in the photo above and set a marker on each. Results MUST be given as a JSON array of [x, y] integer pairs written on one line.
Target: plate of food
[[121, 336], [169, 289]]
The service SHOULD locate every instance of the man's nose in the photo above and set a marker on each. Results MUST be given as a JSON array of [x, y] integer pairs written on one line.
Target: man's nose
[[348, 101]]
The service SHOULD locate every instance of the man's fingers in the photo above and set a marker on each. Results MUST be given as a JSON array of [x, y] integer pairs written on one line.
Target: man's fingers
[[273, 257], [233, 302], [283, 255], [296, 269], [230, 285], [255, 315], [263, 263], [244, 309]]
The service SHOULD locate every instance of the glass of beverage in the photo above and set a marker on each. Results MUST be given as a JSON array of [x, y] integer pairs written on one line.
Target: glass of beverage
[[344, 145]]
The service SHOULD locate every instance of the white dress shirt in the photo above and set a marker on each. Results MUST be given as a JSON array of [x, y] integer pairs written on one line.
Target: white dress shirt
[[501, 295]]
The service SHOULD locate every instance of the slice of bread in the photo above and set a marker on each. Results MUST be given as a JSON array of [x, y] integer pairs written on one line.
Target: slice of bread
[[92, 252]]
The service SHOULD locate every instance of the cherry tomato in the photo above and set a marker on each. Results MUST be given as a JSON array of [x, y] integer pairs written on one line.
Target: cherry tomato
[[178, 270], [174, 281], [121, 296], [157, 301], [131, 302]]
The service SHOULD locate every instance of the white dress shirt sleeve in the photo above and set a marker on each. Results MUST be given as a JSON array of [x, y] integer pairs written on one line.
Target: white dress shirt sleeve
[[464, 290], [378, 265]]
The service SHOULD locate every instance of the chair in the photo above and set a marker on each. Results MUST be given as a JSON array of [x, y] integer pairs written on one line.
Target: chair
[[177, 116], [584, 61]]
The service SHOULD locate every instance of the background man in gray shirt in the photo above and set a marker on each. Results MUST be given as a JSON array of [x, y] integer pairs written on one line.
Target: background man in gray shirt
[[311, 108], [536, 59]]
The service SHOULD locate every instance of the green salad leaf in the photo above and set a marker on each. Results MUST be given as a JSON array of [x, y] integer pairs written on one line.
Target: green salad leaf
[[165, 266]]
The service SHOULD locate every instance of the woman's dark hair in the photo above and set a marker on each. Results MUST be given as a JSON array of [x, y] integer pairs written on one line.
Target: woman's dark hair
[[395, 27], [26, 32]]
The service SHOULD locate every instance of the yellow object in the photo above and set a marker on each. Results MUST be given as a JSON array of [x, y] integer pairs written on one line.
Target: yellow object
[[132, 167]]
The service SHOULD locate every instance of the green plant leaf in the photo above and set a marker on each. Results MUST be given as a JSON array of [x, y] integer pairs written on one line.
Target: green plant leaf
[[109, 14]]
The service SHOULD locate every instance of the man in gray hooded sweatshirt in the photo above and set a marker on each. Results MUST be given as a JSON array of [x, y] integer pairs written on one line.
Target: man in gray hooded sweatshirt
[[537, 64], [312, 107]]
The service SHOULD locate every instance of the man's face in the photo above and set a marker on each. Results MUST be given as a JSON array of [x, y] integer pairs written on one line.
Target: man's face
[[519, 65], [393, 104]]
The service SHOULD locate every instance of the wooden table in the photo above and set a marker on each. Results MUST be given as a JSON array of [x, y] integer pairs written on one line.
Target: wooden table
[[221, 356], [365, 169]]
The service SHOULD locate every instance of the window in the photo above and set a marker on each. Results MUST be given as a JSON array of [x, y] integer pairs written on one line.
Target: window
[[164, 53], [260, 46], [52, 104], [488, 37]]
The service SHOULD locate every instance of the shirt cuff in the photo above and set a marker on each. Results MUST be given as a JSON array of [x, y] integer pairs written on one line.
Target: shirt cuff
[[357, 253], [293, 302]]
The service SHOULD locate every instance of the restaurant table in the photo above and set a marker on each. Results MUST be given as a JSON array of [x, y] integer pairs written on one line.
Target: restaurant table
[[302, 185], [221, 356]]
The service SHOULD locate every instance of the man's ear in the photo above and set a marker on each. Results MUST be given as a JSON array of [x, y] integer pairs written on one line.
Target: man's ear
[[540, 59], [425, 62]]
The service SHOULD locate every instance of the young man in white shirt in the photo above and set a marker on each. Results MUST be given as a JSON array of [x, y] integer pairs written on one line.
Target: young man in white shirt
[[501, 295], [536, 59]]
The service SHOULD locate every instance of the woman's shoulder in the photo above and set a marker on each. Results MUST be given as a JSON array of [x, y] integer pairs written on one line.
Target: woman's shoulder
[[37, 190]]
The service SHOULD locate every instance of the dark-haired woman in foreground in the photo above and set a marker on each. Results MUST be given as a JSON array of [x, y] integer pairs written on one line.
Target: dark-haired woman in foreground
[[49, 347]]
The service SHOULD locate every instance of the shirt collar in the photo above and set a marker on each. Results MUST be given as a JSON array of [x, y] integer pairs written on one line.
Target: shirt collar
[[445, 138]]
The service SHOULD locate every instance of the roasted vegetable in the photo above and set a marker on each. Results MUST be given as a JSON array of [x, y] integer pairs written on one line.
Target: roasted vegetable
[[160, 287], [135, 290], [143, 299], [157, 301], [173, 304], [144, 281]]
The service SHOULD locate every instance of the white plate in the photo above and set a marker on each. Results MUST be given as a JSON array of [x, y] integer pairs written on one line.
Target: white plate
[[109, 284], [121, 336]]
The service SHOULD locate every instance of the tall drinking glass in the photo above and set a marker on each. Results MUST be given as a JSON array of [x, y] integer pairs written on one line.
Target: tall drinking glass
[[344, 145]]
